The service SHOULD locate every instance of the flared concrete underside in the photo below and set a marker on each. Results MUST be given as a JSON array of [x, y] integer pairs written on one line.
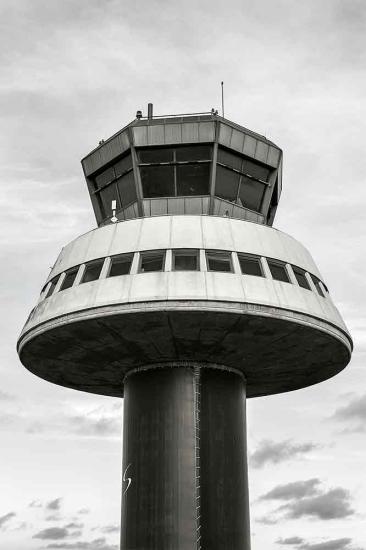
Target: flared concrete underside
[[277, 350]]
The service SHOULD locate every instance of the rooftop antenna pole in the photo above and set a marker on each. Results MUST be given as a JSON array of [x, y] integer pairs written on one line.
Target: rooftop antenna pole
[[222, 100]]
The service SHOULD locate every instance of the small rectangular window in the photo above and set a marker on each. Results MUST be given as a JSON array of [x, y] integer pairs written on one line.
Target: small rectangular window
[[278, 271], [69, 278], [52, 286], [219, 261], [317, 284], [151, 156], [92, 271], [120, 265], [250, 265], [185, 260], [229, 159], [301, 277], [193, 152], [152, 260]]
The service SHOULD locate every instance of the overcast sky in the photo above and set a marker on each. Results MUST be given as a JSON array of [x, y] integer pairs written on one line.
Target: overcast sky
[[74, 72]]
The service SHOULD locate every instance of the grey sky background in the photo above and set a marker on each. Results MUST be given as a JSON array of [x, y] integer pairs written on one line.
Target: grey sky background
[[74, 72]]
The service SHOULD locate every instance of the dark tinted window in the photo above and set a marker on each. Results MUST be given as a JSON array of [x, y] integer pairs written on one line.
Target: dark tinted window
[[152, 261], [234, 161], [251, 193], [52, 286], [92, 271], [193, 179], [157, 181], [250, 265], [120, 265], [107, 195], [185, 260], [218, 261], [316, 282], [194, 152], [278, 271], [69, 278], [301, 277], [126, 188], [155, 155], [227, 183], [105, 177], [123, 165], [255, 170]]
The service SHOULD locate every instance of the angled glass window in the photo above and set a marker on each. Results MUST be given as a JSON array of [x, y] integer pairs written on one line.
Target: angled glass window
[[52, 286], [251, 193], [317, 284], [227, 183], [123, 165], [120, 265], [278, 270], [152, 260], [186, 260], [250, 265], [193, 179], [104, 177], [127, 189], [92, 271], [219, 261], [229, 159], [157, 181], [255, 170], [301, 277], [151, 156], [193, 152], [107, 195], [69, 278]]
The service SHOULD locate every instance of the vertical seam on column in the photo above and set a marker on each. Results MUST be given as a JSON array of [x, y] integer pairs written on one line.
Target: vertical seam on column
[[197, 409]]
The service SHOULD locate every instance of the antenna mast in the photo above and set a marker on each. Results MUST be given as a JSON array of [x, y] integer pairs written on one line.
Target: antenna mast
[[222, 99]]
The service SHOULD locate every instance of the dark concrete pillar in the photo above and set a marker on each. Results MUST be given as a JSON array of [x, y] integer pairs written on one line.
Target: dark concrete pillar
[[184, 460]]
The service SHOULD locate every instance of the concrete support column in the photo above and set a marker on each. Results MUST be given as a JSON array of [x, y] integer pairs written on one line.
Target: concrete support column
[[184, 460]]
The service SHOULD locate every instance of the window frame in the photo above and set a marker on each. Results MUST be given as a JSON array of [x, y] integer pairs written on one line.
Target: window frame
[[251, 257], [184, 252], [242, 175], [160, 251], [90, 264], [299, 270], [130, 255], [69, 271], [175, 165], [218, 252], [278, 263]]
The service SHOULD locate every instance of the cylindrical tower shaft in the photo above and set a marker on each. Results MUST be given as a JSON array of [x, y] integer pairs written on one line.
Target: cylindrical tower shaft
[[184, 460]]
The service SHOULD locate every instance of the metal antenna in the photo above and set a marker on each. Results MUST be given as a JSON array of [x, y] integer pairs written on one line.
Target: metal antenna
[[222, 99]]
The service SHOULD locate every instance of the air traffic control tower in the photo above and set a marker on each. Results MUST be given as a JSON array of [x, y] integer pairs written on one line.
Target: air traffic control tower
[[185, 301]]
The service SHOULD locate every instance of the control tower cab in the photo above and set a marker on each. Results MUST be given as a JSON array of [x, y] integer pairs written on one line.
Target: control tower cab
[[186, 305]]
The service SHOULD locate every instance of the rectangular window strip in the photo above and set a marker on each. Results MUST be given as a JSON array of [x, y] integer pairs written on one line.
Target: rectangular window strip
[[185, 260]]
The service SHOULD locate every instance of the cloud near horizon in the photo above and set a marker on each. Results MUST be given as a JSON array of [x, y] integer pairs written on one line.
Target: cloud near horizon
[[269, 451]]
